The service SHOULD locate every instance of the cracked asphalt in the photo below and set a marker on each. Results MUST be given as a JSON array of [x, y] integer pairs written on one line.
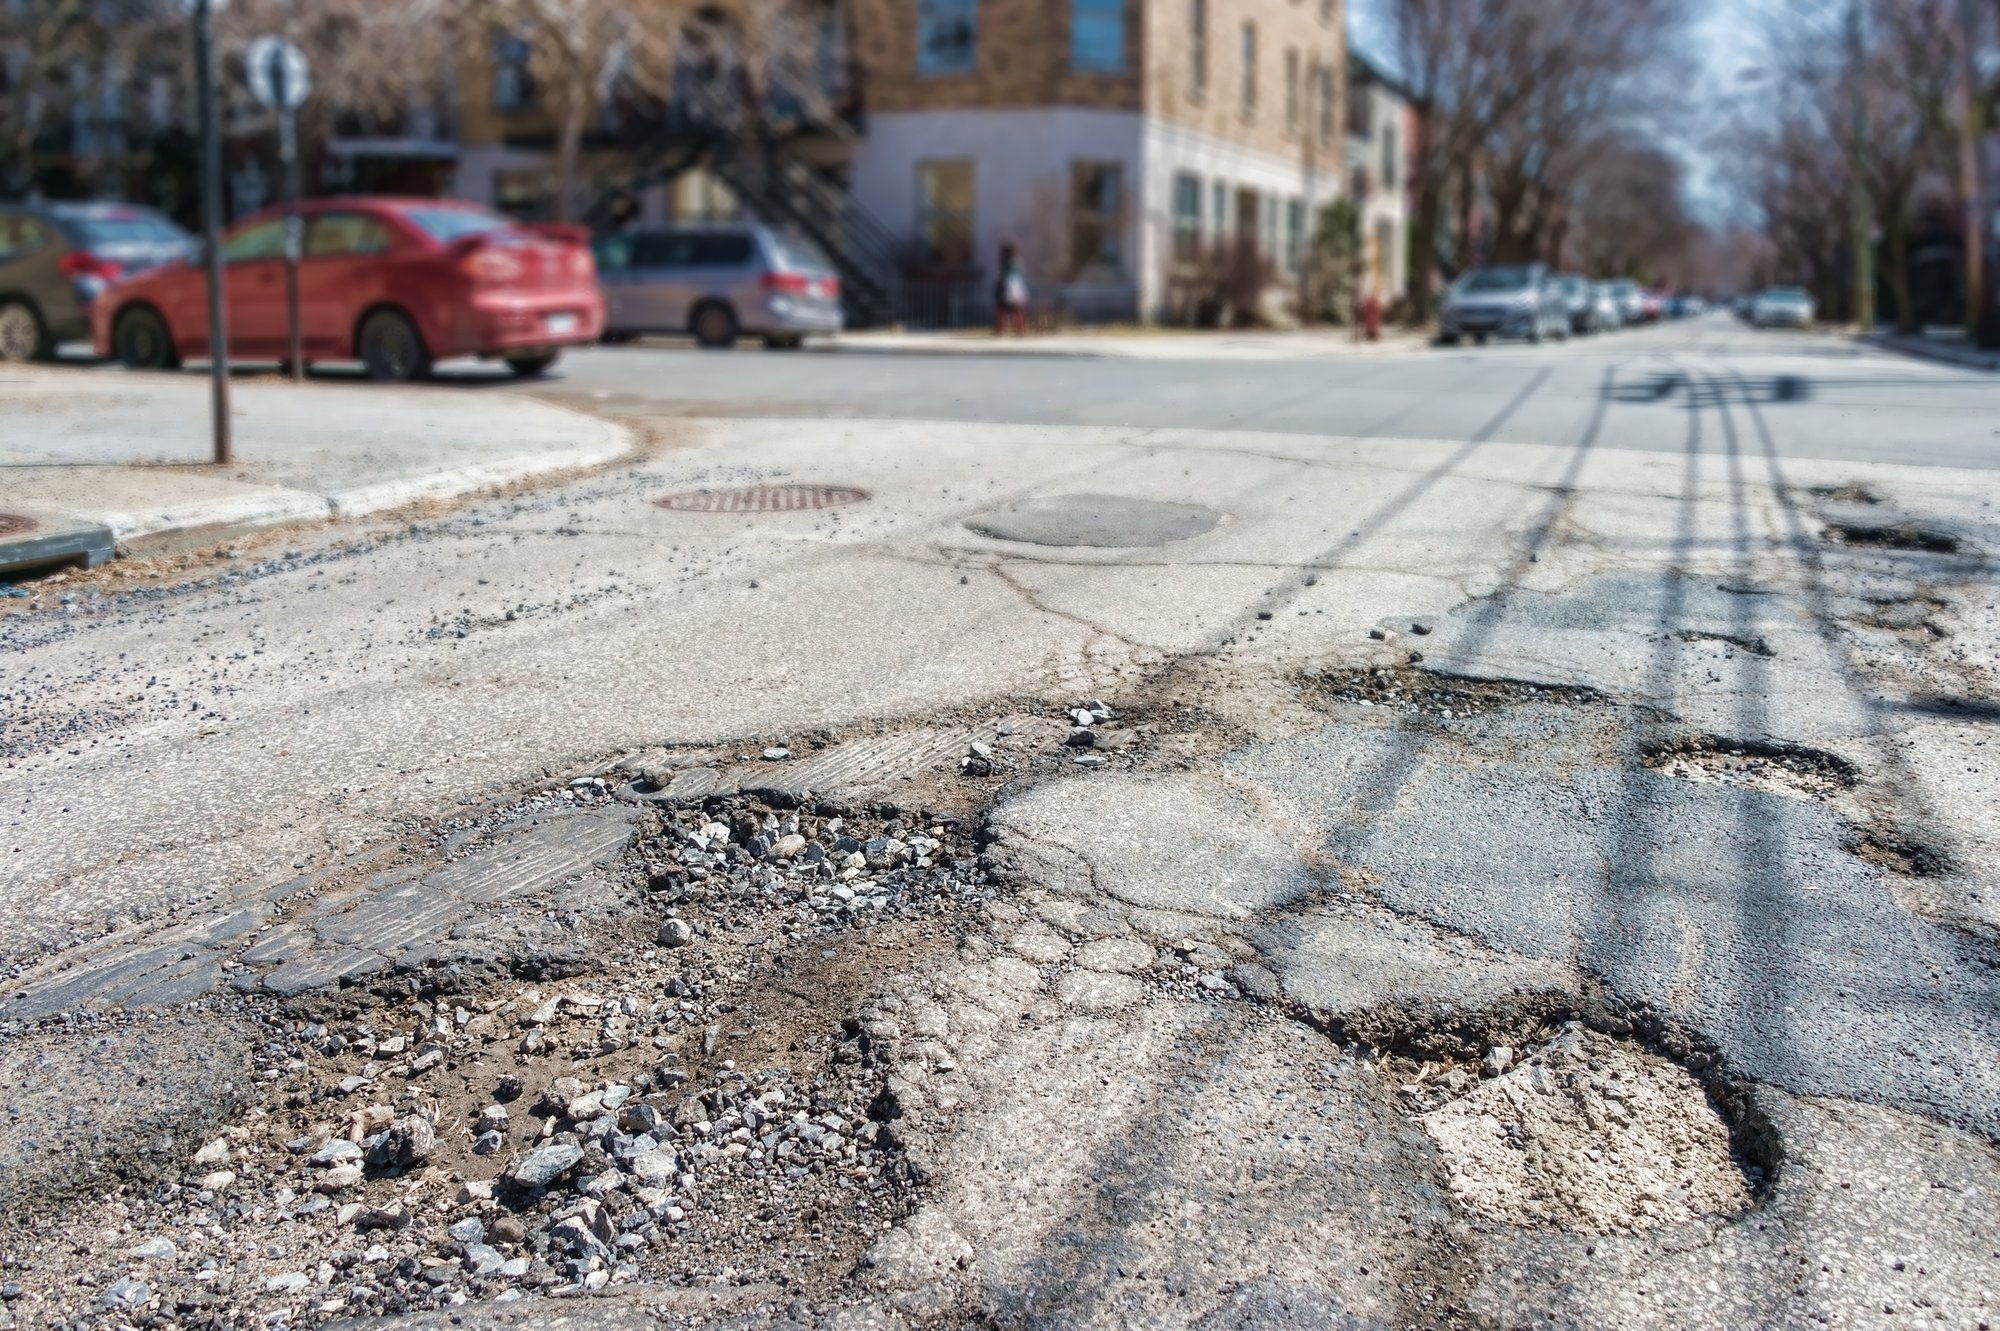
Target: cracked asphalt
[[1593, 745]]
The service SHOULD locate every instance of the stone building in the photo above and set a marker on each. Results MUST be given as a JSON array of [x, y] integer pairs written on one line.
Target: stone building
[[1111, 139]]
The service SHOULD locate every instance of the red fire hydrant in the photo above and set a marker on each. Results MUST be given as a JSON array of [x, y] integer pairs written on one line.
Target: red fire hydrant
[[1371, 316]]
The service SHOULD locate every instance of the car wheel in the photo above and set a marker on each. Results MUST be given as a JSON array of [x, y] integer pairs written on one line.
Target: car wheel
[[1447, 339], [532, 367], [715, 326], [1535, 335], [392, 350], [1479, 339], [141, 341], [21, 334]]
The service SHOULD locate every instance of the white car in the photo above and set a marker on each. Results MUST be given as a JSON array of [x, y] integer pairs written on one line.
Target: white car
[[1782, 307]]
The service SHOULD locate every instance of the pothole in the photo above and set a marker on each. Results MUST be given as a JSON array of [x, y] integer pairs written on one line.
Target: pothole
[[1435, 693], [1107, 521], [1755, 645], [1898, 536], [696, 1106], [1775, 769], [1897, 854], [1584, 1133]]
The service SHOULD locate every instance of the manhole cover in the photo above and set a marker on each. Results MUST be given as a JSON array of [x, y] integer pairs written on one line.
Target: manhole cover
[[14, 524], [762, 498], [1110, 521]]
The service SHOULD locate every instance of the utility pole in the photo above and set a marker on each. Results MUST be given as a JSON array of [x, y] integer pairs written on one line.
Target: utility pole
[[211, 221], [1864, 213], [1979, 319]]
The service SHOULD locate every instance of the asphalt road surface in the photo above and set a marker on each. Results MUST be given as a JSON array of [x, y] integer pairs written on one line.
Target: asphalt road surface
[[1482, 838], [1639, 389]]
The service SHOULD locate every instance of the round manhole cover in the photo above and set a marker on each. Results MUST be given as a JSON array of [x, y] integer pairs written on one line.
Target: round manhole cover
[[14, 524], [762, 498], [1110, 521]]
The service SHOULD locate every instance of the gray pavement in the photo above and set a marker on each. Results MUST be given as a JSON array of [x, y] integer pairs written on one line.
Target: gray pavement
[[1639, 389], [1454, 704]]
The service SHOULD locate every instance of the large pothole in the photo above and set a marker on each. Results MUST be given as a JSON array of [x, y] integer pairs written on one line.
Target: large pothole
[[1585, 1133], [1775, 769], [694, 1106], [1438, 694]]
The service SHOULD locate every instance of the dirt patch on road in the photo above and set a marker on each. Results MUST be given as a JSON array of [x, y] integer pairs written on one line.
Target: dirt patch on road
[[1900, 536]]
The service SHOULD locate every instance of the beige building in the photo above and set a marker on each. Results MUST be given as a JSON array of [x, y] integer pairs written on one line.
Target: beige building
[[1111, 139]]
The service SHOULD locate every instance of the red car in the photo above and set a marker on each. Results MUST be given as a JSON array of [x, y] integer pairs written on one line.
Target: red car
[[397, 284]]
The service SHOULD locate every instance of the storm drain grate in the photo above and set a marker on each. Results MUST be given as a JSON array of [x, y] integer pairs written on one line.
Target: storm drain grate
[[762, 499], [15, 524]]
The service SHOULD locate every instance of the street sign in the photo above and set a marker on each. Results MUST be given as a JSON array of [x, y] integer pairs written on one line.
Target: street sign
[[278, 73], [280, 78]]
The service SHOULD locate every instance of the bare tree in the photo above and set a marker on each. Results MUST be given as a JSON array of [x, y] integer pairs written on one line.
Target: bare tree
[[58, 58]]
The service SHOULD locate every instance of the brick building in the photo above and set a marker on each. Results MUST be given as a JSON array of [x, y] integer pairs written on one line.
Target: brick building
[[1109, 138]]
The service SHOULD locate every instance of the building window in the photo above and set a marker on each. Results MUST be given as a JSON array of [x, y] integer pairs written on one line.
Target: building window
[[947, 36], [1358, 107], [944, 209], [1097, 207], [1198, 47], [513, 78], [1097, 36], [1270, 242], [1325, 99], [1292, 91], [1187, 217], [1295, 233], [1218, 209], [1392, 172], [1249, 70]]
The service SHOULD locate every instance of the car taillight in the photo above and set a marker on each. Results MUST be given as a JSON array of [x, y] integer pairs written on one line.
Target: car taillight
[[830, 287], [790, 284], [582, 263], [492, 265], [82, 263]]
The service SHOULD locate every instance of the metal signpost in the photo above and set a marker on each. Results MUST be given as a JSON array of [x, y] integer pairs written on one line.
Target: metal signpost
[[281, 79], [211, 218]]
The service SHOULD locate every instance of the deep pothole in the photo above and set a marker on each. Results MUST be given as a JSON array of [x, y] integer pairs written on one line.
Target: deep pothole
[[1894, 853], [1776, 769], [1437, 693], [1751, 643], [1583, 1133], [1907, 536], [1579, 1113]]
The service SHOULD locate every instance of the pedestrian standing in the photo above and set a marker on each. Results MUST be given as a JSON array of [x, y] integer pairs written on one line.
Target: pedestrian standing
[[1010, 293]]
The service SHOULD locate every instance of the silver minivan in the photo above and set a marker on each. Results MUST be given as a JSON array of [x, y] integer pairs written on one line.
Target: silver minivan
[[717, 283]]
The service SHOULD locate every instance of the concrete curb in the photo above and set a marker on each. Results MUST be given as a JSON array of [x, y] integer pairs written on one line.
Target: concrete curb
[[1965, 358], [450, 482], [269, 508], [1224, 347]]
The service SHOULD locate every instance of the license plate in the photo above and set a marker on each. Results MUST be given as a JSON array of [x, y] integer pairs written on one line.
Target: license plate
[[562, 323]]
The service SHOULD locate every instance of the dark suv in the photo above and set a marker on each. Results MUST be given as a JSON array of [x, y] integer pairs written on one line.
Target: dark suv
[[57, 258]]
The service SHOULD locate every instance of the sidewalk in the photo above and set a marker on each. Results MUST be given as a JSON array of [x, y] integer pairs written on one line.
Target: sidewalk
[[1124, 344], [1949, 347], [127, 452]]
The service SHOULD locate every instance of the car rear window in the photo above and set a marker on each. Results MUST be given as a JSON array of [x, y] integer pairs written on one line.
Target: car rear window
[[1496, 279], [792, 251], [445, 225], [133, 226]]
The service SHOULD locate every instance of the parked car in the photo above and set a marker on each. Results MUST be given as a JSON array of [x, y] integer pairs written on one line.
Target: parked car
[[1578, 306], [1782, 307], [398, 284], [1631, 301], [1609, 313], [1650, 306], [718, 283], [1518, 300], [56, 259]]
